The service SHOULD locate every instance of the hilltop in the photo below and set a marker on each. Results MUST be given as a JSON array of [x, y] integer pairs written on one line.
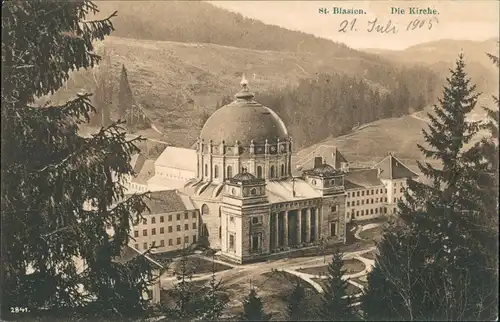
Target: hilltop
[[440, 56]]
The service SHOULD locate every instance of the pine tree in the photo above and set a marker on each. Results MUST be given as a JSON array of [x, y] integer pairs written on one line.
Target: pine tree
[[295, 306], [60, 190], [433, 264], [214, 301], [125, 96], [253, 308], [336, 303]]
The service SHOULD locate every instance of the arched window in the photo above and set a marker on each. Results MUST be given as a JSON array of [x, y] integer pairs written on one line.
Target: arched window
[[220, 211], [282, 170], [253, 191], [259, 172], [271, 172], [216, 171], [229, 172], [205, 210], [206, 170]]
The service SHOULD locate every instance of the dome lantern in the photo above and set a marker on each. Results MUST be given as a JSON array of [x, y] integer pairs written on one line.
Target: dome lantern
[[244, 94]]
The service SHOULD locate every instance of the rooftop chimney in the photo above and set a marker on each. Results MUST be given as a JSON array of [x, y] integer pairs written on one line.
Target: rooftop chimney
[[318, 161]]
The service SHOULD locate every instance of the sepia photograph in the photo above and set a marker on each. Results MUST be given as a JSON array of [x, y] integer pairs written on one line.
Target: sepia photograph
[[249, 160]]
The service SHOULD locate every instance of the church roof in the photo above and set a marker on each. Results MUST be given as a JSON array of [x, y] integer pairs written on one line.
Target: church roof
[[178, 158], [363, 178], [244, 120], [322, 170], [245, 177], [391, 168]]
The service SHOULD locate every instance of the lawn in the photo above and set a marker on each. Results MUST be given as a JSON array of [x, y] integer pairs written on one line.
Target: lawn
[[197, 265], [374, 234], [351, 265], [351, 289], [272, 287], [369, 255]]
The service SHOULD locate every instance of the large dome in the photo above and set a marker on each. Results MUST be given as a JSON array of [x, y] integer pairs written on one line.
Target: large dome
[[244, 120]]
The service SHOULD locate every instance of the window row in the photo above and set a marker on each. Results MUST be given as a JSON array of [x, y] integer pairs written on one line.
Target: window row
[[368, 201], [368, 192], [178, 241], [273, 172], [162, 230], [162, 218], [373, 211]]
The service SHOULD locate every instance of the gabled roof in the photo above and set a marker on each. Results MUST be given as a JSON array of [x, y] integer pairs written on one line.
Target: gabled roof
[[160, 202], [283, 190], [391, 168], [363, 178], [178, 158], [128, 253], [329, 153], [338, 158], [137, 162], [145, 173]]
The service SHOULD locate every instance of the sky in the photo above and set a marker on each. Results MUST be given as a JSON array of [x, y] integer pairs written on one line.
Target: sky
[[456, 19]]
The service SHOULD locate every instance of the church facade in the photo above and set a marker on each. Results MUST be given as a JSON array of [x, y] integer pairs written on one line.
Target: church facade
[[251, 201]]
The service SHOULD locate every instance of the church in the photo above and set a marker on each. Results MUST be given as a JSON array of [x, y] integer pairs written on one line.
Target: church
[[251, 202]]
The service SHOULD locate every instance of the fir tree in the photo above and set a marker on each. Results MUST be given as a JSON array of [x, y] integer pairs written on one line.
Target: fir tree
[[295, 306], [125, 96], [433, 264], [336, 303], [215, 301], [60, 190], [253, 308]]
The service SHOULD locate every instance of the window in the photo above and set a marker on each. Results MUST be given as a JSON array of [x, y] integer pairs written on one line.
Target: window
[[357, 193], [162, 219], [362, 212], [362, 202], [371, 200], [153, 220], [372, 191], [371, 211], [153, 231], [231, 241], [206, 170], [376, 210], [178, 240], [271, 172], [348, 195], [194, 239], [169, 217], [394, 190], [259, 172], [376, 191], [170, 242], [401, 190], [194, 225], [357, 213], [220, 232], [385, 210], [169, 229], [162, 243], [178, 228], [145, 232], [186, 216], [253, 191], [231, 219], [178, 216], [136, 233], [333, 229], [362, 193], [348, 204], [357, 202], [367, 192], [186, 226], [144, 221], [205, 210], [229, 171], [255, 243], [194, 214], [162, 230], [216, 171], [385, 199], [186, 239], [145, 246], [282, 170], [136, 246], [255, 220]]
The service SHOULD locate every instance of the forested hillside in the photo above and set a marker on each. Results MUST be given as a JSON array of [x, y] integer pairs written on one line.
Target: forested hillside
[[202, 22], [332, 105]]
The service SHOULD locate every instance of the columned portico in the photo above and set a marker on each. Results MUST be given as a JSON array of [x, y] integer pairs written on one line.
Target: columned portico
[[299, 227], [308, 225], [316, 224], [285, 229]]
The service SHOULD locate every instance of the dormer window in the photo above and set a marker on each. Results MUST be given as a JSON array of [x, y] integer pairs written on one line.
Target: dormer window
[[253, 191], [332, 182], [313, 181], [233, 192]]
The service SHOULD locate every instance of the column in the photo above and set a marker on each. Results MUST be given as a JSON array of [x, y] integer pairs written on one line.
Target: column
[[299, 227], [285, 229], [276, 230], [308, 225], [316, 226]]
